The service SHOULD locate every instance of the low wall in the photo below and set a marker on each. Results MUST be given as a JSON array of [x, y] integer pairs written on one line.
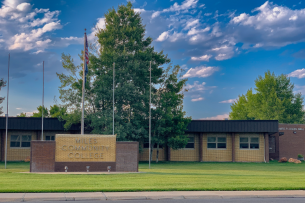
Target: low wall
[[43, 159], [42, 156], [127, 156]]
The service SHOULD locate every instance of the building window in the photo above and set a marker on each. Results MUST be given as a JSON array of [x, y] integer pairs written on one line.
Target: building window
[[217, 142], [249, 142], [191, 143], [50, 137], [20, 141]]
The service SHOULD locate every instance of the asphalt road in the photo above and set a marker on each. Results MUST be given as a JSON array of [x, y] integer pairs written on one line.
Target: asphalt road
[[238, 200]]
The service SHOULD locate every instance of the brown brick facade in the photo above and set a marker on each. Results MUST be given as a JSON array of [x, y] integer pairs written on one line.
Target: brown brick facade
[[127, 156], [292, 142], [42, 156], [43, 159]]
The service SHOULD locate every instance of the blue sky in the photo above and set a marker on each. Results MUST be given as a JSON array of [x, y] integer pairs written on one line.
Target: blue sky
[[222, 45]]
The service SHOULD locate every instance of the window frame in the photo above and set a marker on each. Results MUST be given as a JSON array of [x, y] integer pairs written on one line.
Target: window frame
[[20, 142], [190, 148], [249, 142], [216, 142]]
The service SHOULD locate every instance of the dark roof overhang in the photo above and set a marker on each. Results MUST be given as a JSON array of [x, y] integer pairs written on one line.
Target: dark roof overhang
[[233, 126]]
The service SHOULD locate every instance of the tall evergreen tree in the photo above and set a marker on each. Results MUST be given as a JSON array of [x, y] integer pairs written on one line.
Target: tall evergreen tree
[[123, 42]]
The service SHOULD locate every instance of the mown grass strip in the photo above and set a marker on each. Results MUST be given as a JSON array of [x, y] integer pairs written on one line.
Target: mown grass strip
[[165, 176]]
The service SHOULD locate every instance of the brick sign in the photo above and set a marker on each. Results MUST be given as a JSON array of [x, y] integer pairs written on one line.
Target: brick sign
[[85, 148]]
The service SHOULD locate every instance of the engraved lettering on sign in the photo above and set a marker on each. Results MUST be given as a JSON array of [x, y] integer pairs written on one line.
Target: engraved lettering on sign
[[85, 148]]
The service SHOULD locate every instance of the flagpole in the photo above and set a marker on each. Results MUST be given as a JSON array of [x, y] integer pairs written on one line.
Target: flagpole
[[8, 86], [149, 112], [83, 89], [42, 101], [113, 100]]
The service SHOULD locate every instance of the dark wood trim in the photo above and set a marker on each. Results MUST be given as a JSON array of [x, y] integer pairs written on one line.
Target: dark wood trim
[[233, 147], [200, 146]]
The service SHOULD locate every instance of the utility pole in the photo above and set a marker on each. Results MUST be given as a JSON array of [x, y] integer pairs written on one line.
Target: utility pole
[[149, 113], [42, 101], [8, 88], [113, 99]]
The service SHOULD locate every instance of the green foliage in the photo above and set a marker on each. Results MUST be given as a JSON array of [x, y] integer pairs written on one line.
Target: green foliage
[[22, 115], [57, 111], [273, 100], [2, 84], [123, 43], [300, 156], [39, 113], [168, 121]]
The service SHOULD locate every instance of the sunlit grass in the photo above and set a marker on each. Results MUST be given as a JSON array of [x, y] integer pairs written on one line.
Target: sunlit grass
[[162, 177]]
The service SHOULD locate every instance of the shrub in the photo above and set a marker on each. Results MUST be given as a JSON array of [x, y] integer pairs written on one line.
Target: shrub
[[300, 156], [283, 159]]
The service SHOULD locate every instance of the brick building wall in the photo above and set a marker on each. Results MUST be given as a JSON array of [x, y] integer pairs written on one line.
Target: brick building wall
[[217, 155], [250, 155], [292, 142], [19, 153], [42, 156], [127, 156], [145, 154], [186, 154]]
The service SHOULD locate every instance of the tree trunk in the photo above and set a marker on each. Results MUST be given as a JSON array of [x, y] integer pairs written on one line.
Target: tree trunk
[[157, 157]]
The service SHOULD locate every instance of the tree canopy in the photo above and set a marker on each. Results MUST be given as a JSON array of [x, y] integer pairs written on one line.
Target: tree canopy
[[273, 99], [124, 47], [2, 84]]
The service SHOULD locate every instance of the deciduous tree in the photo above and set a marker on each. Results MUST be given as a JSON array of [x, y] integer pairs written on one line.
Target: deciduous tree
[[273, 99]]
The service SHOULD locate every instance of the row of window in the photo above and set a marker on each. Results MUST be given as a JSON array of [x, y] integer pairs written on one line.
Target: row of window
[[25, 140], [220, 142], [215, 142]]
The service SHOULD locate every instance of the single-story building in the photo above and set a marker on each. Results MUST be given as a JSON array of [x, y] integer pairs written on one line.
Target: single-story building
[[221, 141], [210, 140], [22, 130]]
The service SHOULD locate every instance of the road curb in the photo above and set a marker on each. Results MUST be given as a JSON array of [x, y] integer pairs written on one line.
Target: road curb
[[104, 196]]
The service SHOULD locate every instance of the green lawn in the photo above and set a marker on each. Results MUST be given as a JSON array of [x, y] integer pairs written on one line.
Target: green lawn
[[162, 177]]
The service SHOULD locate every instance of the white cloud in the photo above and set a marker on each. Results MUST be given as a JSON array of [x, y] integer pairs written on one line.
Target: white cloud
[[18, 108], [184, 7], [139, 10], [201, 58], [200, 72], [230, 101], [218, 117], [300, 73], [101, 24], [24, 7], [194, 31], [197, 99], [191, 23], [270, 26], [163, 36]]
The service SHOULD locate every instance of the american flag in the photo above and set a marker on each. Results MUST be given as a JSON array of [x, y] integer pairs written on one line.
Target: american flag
[[86, 57]]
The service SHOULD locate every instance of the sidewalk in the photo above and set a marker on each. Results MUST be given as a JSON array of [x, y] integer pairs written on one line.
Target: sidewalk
[[6, 197]]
